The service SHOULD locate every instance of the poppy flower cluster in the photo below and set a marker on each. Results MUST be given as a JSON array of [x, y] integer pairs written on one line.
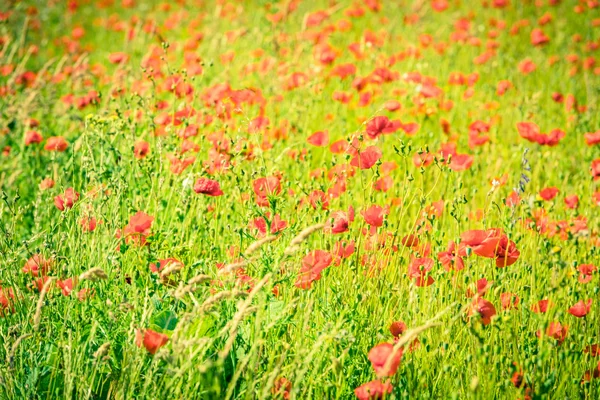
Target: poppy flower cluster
[[360, 156], [491, 243]]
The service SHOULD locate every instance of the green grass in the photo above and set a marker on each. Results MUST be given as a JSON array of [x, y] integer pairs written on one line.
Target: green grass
[[238, 334]]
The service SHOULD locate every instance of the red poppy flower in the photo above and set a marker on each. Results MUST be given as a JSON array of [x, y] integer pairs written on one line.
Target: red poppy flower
[[593, 350], [392, 105], [483, 243], [538, 37], [150, 339], [208, 187], [588, 375], [383, 184], [66, 200], [410, 128], [319, 139], [461, 162], [581, 309], [509, 301], [410, 241], [141, 149], [66, 285], [527, 66], [381, 125], [374, 390], [277, 224], [37, 265], [572, 201], [178, 165], [556, 331], [439, 5], [342, 249], [374, 215], [56, 143], [6, 297], [369, 157], [512, 200], [140, 222], [585, 272], [422, 159], [338, 222], [595, 167], [484, 308], [480, 288], [592, 138], [541, 307], [502, 87], [32, 137], [47, 183], [312, 265], [397, 328], [117, 57], [418, 270], [318, 200], [549, 193], [451, 259], [379, 356], [506, 252], [264, 187], [88, 224], [531, 132], [283, 387], [138, 228]]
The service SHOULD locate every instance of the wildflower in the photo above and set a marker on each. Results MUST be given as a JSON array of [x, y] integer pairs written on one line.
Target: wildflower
[[595, 168], [549, 193], [509, 301], [283, 387], [556, 331], [484, 308], [66, 200], [319, 139], [37, 265], [373, 390], [46, 183], [538, 37], [138, 228], [368, 158], [32, 137], [572, 201], [418, 270], [451, 259], [586, 272], [56, 143], [66, 285], [581, 309], [339, 222], [312, 265], [264, 187], [541, 306], [385, 359], [6, 298], [150, 339], [374, 215], [208, 187], [141, 149], [88, 224], [381, 125]]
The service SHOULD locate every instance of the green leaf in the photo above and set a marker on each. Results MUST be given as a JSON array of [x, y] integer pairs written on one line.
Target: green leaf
[[165, 320]]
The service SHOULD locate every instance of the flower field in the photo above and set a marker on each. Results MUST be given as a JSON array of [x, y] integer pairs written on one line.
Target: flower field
[[361, 199]]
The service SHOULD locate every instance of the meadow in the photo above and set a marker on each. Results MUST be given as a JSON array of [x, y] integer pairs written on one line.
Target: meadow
[[361, 199]]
